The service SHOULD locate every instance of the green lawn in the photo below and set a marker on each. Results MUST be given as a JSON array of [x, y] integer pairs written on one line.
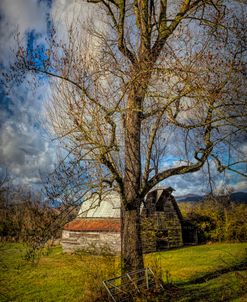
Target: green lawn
[[200, 273], [192, 262]]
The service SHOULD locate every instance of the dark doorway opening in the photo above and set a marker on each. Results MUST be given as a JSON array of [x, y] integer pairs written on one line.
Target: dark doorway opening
[[162, 239]]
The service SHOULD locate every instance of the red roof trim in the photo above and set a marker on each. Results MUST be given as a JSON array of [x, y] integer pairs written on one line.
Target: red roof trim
[[93, 225]]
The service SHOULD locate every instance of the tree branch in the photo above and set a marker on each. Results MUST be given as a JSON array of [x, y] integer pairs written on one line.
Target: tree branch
[[171, 172], [221, 168], [121, 40], [164, 30]]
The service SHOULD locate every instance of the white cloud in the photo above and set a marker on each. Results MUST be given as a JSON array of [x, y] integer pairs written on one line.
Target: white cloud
[[20, 16], [66, 11], [23, 153], [25, 14], [87, 21], [244, 149], [240, 186], [24, 150], [193, 183]]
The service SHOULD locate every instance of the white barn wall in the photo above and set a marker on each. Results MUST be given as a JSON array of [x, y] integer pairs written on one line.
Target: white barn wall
[[91, 241]]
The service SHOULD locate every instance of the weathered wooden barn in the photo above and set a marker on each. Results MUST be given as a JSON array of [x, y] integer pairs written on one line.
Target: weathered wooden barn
[[98, 227], [161, 221], [163, 226]]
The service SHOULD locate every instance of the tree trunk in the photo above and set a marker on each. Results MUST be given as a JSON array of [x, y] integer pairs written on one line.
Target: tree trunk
[[132, 256]]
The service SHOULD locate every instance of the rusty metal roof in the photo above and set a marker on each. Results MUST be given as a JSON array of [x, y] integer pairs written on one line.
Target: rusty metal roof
[[107, 207], [93, 225]]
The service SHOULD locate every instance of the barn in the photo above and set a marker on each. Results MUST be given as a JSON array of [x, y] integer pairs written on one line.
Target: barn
[[97, 227]]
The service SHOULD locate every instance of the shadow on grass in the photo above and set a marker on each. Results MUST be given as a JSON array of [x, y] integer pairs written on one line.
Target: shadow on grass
[[211, 275], [221, 285]]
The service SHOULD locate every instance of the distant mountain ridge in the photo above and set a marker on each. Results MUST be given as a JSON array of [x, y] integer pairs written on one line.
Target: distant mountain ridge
[[235, 196], [239, 196], [189, 197]]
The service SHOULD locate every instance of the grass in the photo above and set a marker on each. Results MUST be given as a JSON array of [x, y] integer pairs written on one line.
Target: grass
[[222, 288], [189, 263], [200, 273], [56, 277]]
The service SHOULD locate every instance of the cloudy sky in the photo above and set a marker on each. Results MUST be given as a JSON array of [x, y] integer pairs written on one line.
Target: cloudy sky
[[25, 148], [26, 151]]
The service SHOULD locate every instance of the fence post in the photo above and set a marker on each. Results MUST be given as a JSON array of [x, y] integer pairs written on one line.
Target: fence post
[[146, 275]]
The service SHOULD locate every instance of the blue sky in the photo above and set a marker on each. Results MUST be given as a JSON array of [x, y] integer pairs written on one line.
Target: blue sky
[[25, 148]]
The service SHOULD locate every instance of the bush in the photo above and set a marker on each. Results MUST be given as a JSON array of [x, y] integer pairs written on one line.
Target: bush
[[218, 219]]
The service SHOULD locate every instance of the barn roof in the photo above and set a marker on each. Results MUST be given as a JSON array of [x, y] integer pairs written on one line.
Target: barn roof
[[157, 198], [107, 207], [93, 225]]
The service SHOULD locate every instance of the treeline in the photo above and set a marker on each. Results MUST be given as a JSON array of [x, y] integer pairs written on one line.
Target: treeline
[[217, 219], [26, 217]]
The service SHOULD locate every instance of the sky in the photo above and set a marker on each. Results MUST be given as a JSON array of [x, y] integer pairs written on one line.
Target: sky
[[26, 151]]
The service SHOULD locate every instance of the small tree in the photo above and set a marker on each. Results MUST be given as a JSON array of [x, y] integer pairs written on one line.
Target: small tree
[[156, 92]]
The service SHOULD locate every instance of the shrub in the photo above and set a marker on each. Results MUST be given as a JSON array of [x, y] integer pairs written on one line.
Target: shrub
[[218, 219]]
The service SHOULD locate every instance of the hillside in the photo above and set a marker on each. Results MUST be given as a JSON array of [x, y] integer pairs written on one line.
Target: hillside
[[236, 197]]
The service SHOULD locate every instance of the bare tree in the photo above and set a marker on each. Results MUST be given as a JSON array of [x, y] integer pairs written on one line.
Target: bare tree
[[155, 93]]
